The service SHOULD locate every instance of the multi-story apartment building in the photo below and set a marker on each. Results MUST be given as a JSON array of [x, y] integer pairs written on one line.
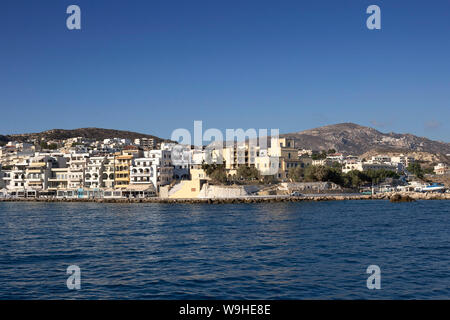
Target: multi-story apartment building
[[58, 179], [77, 165], [94, 172], [5, 178], [17, 175], [108, 172], [162, 167], [236, 155], [122, 164], [146, 143], [404, 160], [142, 171], [38, 172], [181, 158], [134, 151]]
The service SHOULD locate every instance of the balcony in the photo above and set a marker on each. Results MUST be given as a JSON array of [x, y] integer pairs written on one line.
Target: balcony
[[57, 179], [77, 160], [34, 183], [37, 164], [34, 171]]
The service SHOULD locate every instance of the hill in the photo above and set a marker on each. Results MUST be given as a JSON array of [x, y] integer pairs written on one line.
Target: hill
[[90, 133], [354, 139], [348, 138]]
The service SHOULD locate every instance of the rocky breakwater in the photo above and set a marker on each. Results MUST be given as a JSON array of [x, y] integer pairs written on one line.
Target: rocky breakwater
[[411, 196], [243, 199], [393, 197], [401, 198]]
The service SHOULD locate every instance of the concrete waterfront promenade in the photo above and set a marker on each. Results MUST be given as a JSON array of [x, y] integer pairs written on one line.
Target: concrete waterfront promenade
[[253, 199]]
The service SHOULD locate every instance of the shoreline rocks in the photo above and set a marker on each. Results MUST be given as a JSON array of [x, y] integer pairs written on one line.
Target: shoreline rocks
[[401, 198], [393, 197]]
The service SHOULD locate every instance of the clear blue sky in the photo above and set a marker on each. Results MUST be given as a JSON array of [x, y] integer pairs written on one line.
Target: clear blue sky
[[154, 66]]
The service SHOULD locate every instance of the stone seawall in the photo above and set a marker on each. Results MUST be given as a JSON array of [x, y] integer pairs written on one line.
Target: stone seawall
[[250, 199]]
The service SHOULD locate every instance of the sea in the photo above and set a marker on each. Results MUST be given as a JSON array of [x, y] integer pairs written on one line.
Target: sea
[[298, 250]]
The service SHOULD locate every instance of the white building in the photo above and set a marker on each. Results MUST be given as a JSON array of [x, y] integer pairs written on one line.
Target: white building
[[336, 157], [142, 171], [149, 143], [77, 165], [15, 178], [404, 160], [94, 172], [323, 162], [441, 169], [58, 179], [364, 166], [108, 172], [38, 172], [180, 159], [380, 159], [162, 166]]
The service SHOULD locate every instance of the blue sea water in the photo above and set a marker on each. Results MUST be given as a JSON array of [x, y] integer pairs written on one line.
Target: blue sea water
[[302, 250]]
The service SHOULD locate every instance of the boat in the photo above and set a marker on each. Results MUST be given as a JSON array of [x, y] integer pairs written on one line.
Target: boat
[[434, 187]]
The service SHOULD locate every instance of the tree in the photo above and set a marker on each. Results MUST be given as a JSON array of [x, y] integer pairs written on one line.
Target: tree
[[323, 173], [215, 171], [247, 173], [296, 174], [319, 156], [352, 179], [336, 165], [377, 176], [219, 175], [335, 175], [416, 169], [355, 179]]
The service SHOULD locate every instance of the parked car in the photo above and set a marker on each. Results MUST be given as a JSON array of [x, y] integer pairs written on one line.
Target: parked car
[[296, 194]]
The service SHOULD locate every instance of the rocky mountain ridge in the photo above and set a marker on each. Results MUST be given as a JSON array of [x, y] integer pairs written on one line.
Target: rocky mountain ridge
[[350, 138]]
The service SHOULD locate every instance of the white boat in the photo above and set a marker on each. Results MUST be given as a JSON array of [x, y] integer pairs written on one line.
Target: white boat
[[435, 187]]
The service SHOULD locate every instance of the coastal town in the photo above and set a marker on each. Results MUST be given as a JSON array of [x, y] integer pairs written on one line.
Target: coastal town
[[118, 168]]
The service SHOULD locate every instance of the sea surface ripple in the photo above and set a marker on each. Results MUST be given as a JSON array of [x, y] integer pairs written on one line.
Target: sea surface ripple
[[301, 250]]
